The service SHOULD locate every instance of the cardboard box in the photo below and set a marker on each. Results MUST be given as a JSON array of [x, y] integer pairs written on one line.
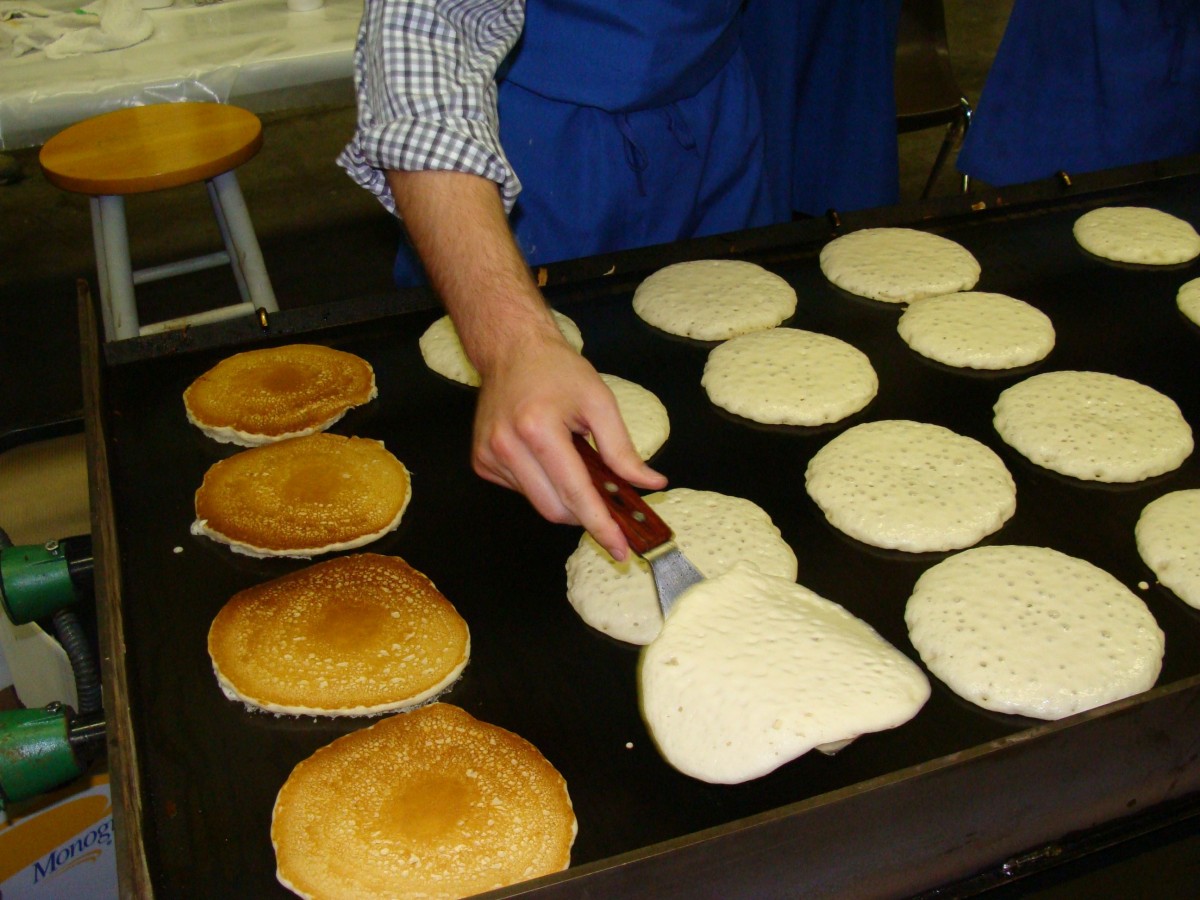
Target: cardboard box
[[60, 845]]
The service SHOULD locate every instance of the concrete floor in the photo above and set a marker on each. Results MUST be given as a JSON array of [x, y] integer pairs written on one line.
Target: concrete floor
[[323, 238]]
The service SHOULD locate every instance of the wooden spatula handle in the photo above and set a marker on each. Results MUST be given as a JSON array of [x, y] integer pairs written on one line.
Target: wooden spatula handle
[[639, 523]]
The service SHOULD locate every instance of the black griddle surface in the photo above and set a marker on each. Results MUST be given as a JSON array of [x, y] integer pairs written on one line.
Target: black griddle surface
[[210, 769]]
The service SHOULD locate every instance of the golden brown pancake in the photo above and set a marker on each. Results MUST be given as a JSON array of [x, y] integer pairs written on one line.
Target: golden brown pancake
[[352, 636], [303, 496], [432, 803], [277, 393]]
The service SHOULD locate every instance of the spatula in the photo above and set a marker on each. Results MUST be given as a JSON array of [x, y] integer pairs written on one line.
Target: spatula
[[648, 535]]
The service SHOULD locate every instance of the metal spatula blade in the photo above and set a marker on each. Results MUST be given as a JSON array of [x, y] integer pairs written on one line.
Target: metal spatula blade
[[673, 574], [648, 535]]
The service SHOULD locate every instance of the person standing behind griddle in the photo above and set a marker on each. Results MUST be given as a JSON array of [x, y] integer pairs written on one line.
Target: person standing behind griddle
[[620, 125], [1085, 85]]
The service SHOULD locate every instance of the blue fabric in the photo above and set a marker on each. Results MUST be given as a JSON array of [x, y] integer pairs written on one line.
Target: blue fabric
[[596, 179], [637, 123], [824, 69], [632, 179], [623, 56], [1085, 85]]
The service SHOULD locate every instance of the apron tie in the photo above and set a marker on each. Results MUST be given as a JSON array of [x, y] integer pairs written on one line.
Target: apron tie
[[679, 127], [635, 156]]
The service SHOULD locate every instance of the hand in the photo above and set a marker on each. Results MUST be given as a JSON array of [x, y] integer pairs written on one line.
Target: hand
[[530, 404], [537, 390]]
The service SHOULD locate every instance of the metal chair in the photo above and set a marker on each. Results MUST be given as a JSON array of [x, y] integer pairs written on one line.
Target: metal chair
[[927, 93], [151, 148]]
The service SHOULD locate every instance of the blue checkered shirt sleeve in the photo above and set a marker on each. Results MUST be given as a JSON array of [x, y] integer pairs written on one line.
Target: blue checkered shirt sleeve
[[424, 73]]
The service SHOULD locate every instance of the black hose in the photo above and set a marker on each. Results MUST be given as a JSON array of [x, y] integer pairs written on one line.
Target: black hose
[[83, 664], [79, 652]]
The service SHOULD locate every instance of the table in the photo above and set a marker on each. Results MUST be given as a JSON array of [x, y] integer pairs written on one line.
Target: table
[[253, 52]]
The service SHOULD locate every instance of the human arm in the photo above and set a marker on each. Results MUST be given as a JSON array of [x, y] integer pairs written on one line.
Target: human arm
[[427, 145], [536, 389]]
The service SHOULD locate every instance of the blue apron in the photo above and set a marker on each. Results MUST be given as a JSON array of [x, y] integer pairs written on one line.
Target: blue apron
[[1084, 85], [640, 122], [825, 77], [629, 124]]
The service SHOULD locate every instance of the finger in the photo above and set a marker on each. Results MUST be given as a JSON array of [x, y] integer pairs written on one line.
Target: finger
[[612, 440], [552, 474], [525, 479], [560, 493], [574, 486]]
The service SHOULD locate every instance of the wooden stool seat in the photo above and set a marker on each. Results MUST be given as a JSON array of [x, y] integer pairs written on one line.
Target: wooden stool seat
[[151, 148]]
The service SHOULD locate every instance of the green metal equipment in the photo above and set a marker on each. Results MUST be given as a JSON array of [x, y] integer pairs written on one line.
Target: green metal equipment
[[41, 749]]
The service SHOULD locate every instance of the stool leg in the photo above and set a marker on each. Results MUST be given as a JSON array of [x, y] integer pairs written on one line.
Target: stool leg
[[230, 255], [240, 240], [115, 269], [101, 267]]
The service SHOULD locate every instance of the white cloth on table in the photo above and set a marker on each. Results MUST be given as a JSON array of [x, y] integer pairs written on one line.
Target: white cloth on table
[[101, 25]]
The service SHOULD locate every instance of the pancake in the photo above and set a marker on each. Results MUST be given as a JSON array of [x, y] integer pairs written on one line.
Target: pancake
[[643, 413], [442, 349], [977, 330], [431, 803], [911, 486], [303, 497], [1093, 426], [898, 265], [713, 530], [1168, 540], [1032, 631], [352, 636], [1137, 234], [713, 299], [752, 671], [276, 393], [1188, 300], [786, 376]]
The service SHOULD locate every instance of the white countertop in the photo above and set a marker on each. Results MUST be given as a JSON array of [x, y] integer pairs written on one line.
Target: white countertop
[[255, 53]]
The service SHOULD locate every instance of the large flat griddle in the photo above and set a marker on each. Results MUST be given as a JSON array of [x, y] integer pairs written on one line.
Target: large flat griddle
[[956, 790]]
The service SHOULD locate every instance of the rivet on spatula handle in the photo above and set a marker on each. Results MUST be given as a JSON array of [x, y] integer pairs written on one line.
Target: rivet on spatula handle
[[640, 524]]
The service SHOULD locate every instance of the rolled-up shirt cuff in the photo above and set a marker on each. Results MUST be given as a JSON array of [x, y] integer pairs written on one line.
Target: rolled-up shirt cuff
[[414, 145]]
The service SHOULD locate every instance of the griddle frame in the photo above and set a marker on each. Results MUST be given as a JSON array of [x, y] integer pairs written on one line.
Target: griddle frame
[[909, 832]]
